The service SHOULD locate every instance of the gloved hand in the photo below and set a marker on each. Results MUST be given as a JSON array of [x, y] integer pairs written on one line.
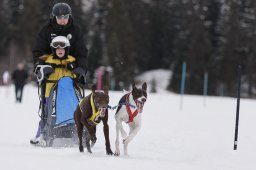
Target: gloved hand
[[36, 63], [42, 71], [80, 73], [71, 65]]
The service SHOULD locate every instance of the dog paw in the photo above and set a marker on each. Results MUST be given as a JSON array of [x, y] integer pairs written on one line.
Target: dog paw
[[109, 151], [89, 151], [81, 148], [117, 153]]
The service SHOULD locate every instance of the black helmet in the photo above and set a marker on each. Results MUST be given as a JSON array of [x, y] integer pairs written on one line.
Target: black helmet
[[60, 9]]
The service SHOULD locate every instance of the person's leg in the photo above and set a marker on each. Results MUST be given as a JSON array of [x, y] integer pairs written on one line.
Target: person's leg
[[42, 121], [16, 92], [21, 92], [39, 132]]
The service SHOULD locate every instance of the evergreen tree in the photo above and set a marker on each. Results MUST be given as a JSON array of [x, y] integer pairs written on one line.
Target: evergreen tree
[[121, 41], [191, 45], [229, 47], [246, 43]]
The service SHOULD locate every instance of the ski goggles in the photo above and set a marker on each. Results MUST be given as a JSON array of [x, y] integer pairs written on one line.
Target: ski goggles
[[63, 17], [58, 44]]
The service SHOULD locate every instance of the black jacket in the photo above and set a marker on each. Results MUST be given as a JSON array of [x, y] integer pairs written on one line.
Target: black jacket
[[51, 30], [19, 77]]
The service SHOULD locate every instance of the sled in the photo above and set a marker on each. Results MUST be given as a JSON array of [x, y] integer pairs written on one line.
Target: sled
[[60, 106]]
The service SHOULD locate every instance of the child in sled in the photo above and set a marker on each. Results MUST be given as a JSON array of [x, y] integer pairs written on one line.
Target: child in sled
[[57, 65]]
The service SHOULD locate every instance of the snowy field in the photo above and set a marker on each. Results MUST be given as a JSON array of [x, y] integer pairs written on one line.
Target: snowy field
[[195, 138]]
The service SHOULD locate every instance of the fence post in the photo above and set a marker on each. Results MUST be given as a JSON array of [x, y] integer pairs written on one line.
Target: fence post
[[237, 107], [182, 87], [205, 87]]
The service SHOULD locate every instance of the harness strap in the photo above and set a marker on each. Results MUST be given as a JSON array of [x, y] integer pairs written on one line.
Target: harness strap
[[92, 104], [80, 104], [131, 115], [95, 115]]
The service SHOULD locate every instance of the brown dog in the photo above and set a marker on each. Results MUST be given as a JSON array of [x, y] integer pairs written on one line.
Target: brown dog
[[90, 111]]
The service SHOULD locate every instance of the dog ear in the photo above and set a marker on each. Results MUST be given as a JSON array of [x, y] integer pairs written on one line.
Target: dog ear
[[93, 88], [105, 88], [144, 86]]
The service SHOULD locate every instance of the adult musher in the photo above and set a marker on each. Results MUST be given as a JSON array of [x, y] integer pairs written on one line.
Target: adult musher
[[60, 24]]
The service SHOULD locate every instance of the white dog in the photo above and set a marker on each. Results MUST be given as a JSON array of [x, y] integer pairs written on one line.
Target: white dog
[[129, 111]]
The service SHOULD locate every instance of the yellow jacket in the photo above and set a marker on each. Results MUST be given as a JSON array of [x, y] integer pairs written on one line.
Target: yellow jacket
[[58, 72]]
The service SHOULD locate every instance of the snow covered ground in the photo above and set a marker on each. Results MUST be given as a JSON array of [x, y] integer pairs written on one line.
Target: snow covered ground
[[195, 138]]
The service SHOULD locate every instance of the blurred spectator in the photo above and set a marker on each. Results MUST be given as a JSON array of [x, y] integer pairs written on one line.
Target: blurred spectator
[[19, 77], [6, 82], [6, 78]]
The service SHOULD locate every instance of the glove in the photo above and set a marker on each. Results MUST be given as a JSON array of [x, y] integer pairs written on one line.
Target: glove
[[80, 73], [36, 63], [42, 71], [71, 65]]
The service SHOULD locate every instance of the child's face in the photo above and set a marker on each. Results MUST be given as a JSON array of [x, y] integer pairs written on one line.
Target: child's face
[[60, 52]]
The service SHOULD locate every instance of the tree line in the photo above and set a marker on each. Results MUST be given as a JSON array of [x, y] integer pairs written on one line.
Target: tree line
[[131, 37]]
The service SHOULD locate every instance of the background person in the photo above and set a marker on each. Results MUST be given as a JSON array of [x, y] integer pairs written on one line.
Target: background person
[[19, 77], [6, 78], [6, 82]]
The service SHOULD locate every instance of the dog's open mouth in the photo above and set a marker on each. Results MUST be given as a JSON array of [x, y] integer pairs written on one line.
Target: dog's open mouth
[[140, 106]]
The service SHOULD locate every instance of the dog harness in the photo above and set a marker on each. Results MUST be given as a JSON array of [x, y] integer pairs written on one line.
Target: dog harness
[[94, 119], [128, 109]]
